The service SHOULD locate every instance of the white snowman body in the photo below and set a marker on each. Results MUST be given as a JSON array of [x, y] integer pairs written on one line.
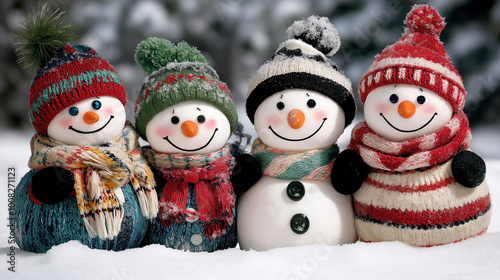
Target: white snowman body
[[295, 120]]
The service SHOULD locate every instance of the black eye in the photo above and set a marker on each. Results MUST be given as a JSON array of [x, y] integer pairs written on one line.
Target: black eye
[[421, 99], [201, 119], [394, 98], [73, 111], [311, 103], [175, 120], [280, 105], [96, 104]]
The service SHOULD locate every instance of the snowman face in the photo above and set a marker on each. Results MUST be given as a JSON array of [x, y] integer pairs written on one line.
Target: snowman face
[[299, 119], [92, 121], [190, 127], [400, 112]]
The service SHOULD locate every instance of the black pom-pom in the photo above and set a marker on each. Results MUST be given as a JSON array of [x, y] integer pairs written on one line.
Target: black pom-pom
[[52, 184], [468, 169], [246, 173], [348, 172], [159, 180]]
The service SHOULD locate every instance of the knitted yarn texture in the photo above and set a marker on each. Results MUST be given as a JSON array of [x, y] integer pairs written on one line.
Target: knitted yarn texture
[[411, 194], [421, 152], [100, 172], [417, 58], [177, 74], [209, 174], [73, 74], [301, 62], [315, 164]]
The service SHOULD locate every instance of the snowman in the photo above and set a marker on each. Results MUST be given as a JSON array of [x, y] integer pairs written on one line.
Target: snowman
[[187, 115], [299, 103], [413, 177], [88, 181]]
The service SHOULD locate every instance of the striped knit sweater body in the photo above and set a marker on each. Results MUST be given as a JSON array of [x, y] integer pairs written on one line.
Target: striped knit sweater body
[[417, 200], [422, 208], [412, 193]]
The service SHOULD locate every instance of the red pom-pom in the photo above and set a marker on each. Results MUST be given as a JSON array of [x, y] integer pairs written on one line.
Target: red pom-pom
[[425, 19]]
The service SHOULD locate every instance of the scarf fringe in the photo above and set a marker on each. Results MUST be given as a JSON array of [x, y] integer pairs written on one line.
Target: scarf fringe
[[100, 172]]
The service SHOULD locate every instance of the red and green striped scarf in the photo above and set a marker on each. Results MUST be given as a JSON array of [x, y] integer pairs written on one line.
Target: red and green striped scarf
[[315, 164]]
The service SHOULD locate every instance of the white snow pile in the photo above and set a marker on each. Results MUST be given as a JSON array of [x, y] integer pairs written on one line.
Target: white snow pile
[[319, 30], [475, 258]]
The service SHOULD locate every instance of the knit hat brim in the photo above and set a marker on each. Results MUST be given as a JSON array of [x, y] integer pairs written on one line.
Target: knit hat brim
[[179, 82], [417, 58], [301, 80], [75, 73]]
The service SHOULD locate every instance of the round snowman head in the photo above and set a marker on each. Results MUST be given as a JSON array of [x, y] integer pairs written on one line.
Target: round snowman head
[[92, 121], [401, 112], [190, 127], [299, 119]]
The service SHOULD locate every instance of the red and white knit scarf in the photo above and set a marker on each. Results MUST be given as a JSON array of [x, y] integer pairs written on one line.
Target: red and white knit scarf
[[416, 153], [213, 191]]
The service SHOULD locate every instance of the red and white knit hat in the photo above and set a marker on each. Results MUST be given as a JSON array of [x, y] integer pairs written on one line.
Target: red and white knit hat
[[417, 58]]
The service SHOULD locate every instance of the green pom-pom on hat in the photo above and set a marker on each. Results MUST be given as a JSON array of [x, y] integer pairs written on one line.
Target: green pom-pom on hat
[[155, 53], [177, 74], [185, 52], [41, 35]]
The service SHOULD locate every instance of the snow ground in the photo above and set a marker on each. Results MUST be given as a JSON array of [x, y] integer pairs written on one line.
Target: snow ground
[[476, 258]]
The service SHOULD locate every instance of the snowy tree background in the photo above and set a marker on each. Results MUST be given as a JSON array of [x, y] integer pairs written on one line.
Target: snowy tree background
[[238, 36]]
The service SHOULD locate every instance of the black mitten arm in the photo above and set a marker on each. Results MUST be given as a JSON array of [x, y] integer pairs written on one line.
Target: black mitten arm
[[468, 169], [245, 173], [51, 185], [348, 172], [159, 180]]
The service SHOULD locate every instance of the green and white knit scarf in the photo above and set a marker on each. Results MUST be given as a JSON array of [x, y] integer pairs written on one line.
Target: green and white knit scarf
[[313, 164], [99, 173]]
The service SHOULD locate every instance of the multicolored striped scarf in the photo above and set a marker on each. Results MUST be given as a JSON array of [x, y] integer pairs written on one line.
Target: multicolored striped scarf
[[416, 153], [313, 164], [100, 172], [209, 175]]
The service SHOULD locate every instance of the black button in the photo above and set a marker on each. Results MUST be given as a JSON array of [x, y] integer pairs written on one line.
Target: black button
[[299, 223], [295, 190]]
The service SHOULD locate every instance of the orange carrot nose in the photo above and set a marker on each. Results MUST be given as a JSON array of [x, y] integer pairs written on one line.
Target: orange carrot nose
[[90, 117], [296, 119], [189, 129], [406, 109]]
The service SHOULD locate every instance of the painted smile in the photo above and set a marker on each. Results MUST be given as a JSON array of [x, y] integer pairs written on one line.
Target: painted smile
[[407, 131], [302, 139], [93, 131], [191, 150]]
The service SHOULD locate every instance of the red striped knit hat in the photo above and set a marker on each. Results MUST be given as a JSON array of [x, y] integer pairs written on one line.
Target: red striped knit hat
[[65, 73], [417, 58], [74, 73]]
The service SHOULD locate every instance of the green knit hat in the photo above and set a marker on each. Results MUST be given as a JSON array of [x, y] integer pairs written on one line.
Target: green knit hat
[[177, 74]]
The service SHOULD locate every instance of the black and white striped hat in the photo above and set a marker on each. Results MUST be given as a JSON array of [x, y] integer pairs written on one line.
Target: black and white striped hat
[[301, 63]]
